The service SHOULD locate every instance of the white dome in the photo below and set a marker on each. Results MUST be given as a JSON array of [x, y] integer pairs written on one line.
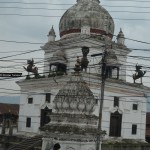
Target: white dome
[[86, 12]]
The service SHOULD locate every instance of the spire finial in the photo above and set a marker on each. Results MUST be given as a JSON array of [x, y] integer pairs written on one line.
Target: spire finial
[[51, 35], [120, 38]]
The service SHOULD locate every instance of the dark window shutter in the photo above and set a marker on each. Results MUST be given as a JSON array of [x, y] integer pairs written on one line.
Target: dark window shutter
[[48, 97], [28, 122], [134, 129], [116, 101], [135, 106], [30, 100]]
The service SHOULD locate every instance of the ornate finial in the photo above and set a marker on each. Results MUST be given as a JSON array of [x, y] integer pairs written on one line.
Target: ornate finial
[[120, 38], [51, 35], [52, 32], [77, 65], [120, 29]]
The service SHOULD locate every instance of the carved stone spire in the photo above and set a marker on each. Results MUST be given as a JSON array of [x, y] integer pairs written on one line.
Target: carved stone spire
[[75, 98]]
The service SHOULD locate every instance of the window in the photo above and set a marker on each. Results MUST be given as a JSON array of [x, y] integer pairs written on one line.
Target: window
[[135, 107], [116, 101], [30, 100], [28, 122], [45, 116], [134, 129], [96, 100], [48, 97]]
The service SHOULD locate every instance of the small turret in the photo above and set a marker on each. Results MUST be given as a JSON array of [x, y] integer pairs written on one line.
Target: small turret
[[51, 35], [120, 38]]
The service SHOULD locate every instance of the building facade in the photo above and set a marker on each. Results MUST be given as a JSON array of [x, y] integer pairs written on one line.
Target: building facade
[[86, 29]]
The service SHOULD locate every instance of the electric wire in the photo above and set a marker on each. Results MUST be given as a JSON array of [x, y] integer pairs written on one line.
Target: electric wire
[[47, 16], [40, 8]]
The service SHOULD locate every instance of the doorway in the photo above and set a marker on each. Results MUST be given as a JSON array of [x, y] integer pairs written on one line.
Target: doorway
[[115, 124], [45, 116]]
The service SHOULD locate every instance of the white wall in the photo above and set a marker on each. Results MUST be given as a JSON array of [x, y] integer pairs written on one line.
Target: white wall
[[129, 116], [32, 110]]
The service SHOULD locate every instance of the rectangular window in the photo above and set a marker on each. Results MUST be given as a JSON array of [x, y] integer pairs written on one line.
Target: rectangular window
[[28, 122], [48, 97], [116, 101], [135, 107], [134, 129], [96, 100], [30, 100]]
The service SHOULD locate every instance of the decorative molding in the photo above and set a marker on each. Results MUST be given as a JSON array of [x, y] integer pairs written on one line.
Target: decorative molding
[[71, 137], [116, 109], [46, 105], [73, 119]]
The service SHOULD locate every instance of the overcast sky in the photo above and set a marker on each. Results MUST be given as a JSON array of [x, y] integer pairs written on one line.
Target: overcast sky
[[34, 29]]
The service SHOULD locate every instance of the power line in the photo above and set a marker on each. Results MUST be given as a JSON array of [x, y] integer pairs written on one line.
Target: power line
[[25, 42], [70, 4], [134, 56], [20, 53], [33, 3], [43, 3], [143, 1], [19, 42], [121, 55], [33, 8], [47, 16], [125, 6]]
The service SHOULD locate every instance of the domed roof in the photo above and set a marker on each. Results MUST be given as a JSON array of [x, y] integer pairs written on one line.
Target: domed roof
[[86, 13], [75, 97]]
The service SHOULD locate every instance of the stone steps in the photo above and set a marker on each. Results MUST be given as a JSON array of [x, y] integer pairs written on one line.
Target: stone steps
[[27, 144]]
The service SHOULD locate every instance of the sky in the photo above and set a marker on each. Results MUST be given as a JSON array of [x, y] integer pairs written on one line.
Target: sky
[[29, 21]]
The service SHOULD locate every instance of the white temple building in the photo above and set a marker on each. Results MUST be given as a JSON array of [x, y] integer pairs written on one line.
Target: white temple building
[[64, 105]]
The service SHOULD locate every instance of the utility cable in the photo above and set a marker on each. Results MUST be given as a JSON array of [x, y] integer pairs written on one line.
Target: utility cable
[[53, 9]]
